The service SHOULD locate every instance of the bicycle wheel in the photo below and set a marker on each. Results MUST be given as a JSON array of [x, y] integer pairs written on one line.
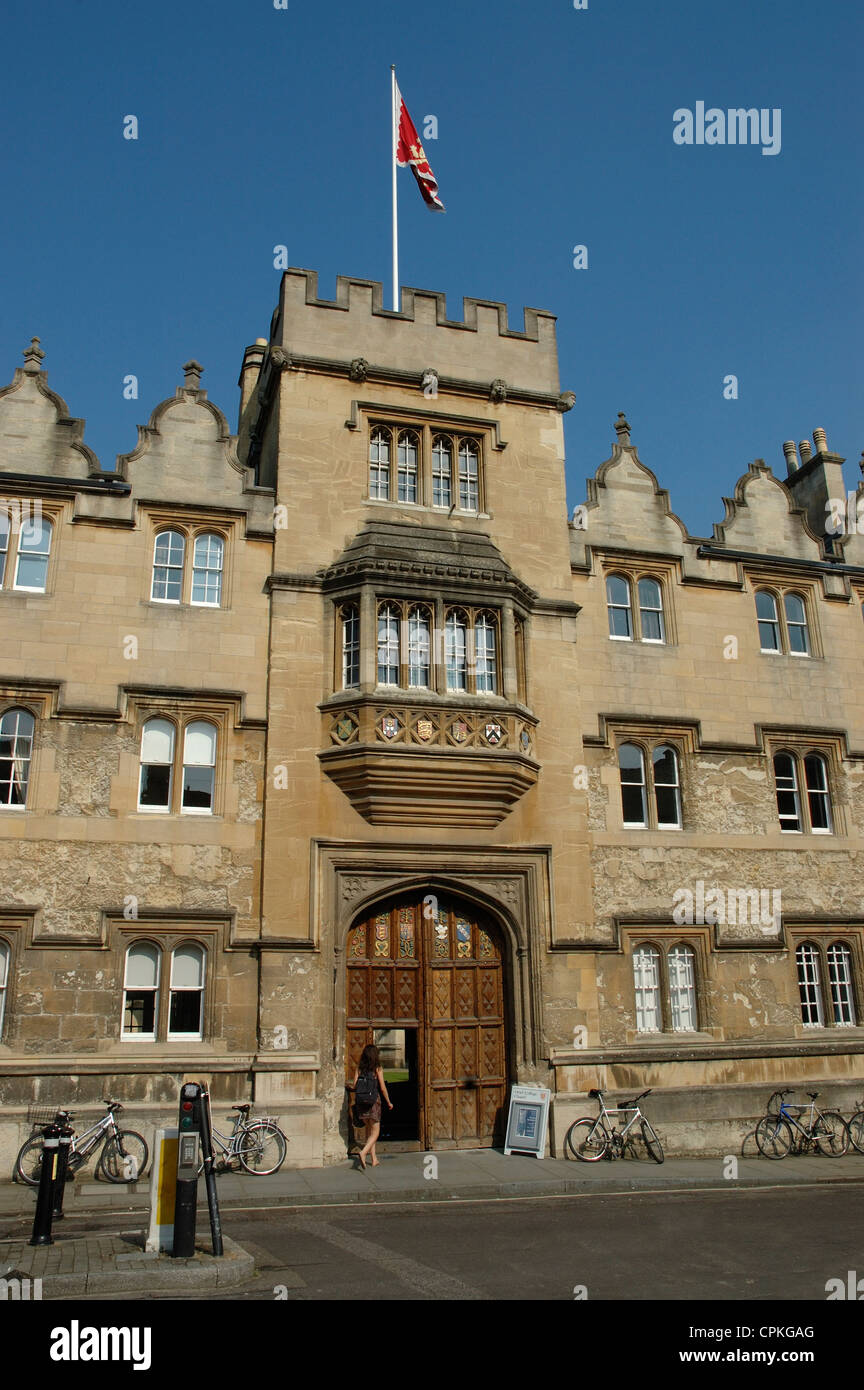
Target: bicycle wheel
[[855, 1130], [652, 1143], [262, 1149], [28, 1164], [831, 1134], [124, 1157], [773, 1136], [585, 1139]]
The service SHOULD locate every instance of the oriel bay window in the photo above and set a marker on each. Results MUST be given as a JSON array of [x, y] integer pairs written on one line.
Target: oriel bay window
[[650, 786], [146, 1014], [162, 774], [412, 656], [423, 466]]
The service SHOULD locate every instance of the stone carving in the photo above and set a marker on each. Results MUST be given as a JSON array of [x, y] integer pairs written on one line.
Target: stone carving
[[498, 391], [359, 369], [565, 401], [280, 359]]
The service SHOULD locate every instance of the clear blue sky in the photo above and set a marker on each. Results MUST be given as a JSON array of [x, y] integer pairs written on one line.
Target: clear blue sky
[[261, 126]]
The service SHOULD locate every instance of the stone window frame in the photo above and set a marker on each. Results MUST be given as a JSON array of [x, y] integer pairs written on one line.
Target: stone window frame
[[779, 590], [427, 431], [181, 713], [648, 744], [161, 520], [51, 511], [822, 937], [41, 707], [166, 940], [632, 573], [11, 929], [664, 939], [439, 609], [801, 746]]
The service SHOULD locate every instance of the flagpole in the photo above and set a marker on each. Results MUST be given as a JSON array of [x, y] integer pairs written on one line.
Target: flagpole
[[394, 139]]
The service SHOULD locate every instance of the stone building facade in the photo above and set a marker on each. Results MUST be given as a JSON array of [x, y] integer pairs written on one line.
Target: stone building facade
[[343, 729]]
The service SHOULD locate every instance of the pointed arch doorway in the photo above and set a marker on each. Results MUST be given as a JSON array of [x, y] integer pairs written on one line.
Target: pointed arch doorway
[[426, 983]]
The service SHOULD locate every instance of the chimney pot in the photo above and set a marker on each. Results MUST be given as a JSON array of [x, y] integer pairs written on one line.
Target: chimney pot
[[805, 450], [820, 442], [791, 455]]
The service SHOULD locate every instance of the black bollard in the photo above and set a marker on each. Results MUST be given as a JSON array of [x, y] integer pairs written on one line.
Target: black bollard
[[63, 1151], [47, 1183]]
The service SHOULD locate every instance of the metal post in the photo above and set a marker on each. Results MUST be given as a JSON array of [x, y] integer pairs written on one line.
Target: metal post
[[186, 1202], [209, 1175], [63, 1151], [47, 1181]]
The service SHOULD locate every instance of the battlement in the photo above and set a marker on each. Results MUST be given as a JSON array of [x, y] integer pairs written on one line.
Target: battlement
[[479, 346]]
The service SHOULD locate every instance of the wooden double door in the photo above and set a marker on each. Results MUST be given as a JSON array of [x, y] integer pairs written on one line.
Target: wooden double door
[[425, 982]]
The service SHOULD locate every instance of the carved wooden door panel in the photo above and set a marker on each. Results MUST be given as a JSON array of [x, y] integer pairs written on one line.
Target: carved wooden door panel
[[440, 972]]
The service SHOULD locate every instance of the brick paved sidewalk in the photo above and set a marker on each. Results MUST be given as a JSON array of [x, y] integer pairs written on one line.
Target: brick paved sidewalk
[[102, 1264]]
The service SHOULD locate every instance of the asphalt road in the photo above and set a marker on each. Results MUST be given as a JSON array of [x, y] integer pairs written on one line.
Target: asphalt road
[[744, 1244]]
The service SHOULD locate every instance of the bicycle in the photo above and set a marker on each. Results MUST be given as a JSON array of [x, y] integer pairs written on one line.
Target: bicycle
[[258, 1143], [776, 1137], [855, 1128], [591, 1139], [124, 1152]]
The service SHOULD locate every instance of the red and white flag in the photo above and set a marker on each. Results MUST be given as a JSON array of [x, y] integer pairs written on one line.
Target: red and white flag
[[410, 151]]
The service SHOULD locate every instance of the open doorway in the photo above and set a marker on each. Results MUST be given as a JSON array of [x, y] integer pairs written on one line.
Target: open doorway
[[398, 1049]]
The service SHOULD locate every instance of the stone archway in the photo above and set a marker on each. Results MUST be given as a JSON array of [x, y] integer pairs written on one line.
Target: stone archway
[[426, 980]]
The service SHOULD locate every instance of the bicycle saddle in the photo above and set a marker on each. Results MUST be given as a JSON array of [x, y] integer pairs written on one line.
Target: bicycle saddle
[[812, 1094], [244, 1109], [595, 1095]]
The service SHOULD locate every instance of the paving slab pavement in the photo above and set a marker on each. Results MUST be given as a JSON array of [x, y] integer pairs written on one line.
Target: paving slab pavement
[[79, 1266], [477, 1174]]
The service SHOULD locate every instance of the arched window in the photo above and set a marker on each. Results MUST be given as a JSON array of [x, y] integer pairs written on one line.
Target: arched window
[[485, 654], [350, 646], [818, 799], [469, 475], [199, 767], [667, 790], [651, 611], [631, 764], [796, 624], [5, 956], [16, 753], [809, 984], [4, 542], [419, 629], [442, 472], [141, 991], [168, 567], [618, 604], [769, 623], [406, 466], [379, 465], [786, 783], [388, 645], [34, 547], [840, 984], [456, 649], [186, 1010], [680, 963], [207, 556], [157, 764], [646, 973]]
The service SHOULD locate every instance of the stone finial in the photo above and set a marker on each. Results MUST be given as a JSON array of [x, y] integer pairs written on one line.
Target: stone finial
[[280, 359], [192, 372], [805, 450], [565, 401], [498, 391], [791, 455], [622, 428], [33, 356], [359, 369], [260, 342], [820, 442]]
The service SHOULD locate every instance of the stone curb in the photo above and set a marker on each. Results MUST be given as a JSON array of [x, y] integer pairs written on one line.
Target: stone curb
[[155, 1274]]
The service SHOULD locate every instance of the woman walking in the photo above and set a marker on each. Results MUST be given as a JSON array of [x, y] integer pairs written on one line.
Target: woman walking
[[369, 1086]]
